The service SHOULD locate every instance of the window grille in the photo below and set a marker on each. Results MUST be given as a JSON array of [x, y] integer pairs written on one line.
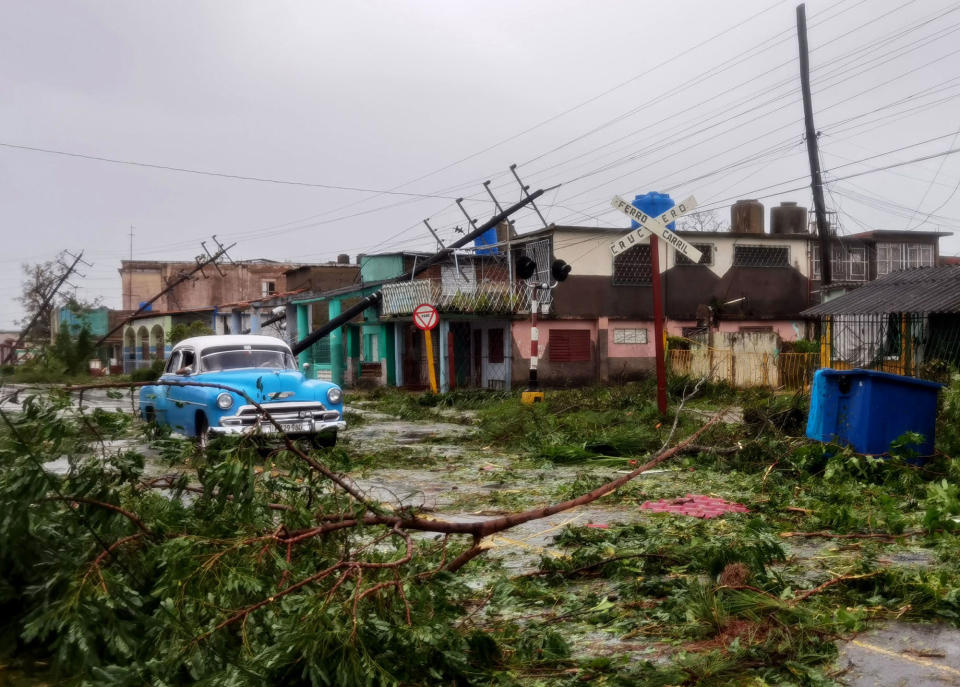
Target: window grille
[[630, 336], [321, 351], [849, 263], [892, 257], [761, 256], [706, 257], [569, 345], [633, 266]]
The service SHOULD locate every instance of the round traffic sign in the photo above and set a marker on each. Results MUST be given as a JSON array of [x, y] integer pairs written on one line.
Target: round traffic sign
[[425, 316]]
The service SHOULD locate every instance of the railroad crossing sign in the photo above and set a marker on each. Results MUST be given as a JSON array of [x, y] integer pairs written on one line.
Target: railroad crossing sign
[[655, 225], [425, 316]]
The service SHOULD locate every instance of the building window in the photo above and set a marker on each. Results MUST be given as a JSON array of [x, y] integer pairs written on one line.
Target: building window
[[848, 263], [696, 333], [892, 257], [761, 256], [630, 336], [268, 288], [569, 345], [705, 259], [321, 351], [494, 345], [632, 266]]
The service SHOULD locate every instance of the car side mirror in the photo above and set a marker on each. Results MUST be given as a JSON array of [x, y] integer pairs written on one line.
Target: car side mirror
[[188, 370]]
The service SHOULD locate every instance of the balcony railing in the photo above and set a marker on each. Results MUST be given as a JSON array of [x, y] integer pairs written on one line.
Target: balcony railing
[[485, 297]]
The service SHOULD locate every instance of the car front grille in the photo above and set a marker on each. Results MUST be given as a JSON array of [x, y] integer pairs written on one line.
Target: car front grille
[[247, 416]]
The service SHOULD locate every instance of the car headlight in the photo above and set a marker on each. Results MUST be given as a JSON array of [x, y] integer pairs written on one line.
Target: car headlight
[[334, 395], [224, 401]]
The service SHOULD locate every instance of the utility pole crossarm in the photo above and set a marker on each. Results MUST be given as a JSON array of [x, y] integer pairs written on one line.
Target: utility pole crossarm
[[180, 279], [377, 296]]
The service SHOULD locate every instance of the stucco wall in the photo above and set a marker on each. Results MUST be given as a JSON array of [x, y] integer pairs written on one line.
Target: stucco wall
[[589, 252], [242, 281]]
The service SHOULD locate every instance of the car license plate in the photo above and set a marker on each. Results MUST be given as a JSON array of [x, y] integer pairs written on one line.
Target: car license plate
[[287, 427]]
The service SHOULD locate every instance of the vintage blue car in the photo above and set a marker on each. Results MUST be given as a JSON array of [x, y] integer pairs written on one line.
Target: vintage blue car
[[264, 369]]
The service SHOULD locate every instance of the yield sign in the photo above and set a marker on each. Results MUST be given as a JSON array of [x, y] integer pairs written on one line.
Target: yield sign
[[655, 225], [425, 316]]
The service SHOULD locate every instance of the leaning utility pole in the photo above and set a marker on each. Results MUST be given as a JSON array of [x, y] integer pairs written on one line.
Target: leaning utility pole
[[201, 263], [813, 152], [46, 301], [377, 296]]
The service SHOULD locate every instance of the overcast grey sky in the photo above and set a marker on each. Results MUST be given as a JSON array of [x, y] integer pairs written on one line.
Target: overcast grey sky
[[431, 98]]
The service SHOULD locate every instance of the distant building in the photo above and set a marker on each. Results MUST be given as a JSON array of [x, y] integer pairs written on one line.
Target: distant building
[[907, 322], [146, 337], [227, 282], [97, 321]]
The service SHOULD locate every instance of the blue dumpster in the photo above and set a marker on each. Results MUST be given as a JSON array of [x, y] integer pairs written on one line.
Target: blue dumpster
[[867, 409]]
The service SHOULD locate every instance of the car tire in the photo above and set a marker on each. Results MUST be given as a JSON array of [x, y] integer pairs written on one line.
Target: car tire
[[149, 416], [202, 436], [324, 440]]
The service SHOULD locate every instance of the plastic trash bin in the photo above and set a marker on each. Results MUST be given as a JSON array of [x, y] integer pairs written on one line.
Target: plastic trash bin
[[868, 409]]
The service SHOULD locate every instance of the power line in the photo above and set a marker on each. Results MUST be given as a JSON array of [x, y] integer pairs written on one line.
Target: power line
[[222, 175]]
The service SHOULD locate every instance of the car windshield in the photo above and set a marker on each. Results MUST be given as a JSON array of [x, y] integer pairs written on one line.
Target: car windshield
[[215, 359]]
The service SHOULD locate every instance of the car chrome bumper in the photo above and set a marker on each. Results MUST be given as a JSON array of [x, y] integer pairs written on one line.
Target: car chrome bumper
[[297, 427]]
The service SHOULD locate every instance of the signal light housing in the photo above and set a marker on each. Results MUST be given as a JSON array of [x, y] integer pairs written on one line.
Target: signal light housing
[[526, 267], [560, 270]]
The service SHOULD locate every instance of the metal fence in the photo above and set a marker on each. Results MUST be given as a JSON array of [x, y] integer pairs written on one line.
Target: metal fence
[[482, 283], [914, 344]]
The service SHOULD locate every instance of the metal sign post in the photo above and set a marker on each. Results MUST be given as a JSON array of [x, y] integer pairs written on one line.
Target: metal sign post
[[656, 227], [426, 317]]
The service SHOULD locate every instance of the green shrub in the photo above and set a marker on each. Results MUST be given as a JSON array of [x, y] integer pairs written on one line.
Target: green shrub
[[148, 374]]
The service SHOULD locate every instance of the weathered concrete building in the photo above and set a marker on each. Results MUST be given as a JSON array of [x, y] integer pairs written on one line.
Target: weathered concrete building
[[232, 282]]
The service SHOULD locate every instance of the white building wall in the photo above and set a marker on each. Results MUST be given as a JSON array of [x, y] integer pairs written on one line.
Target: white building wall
[[589, 250]]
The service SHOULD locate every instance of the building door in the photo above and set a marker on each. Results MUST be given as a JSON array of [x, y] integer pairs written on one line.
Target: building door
[[477, 358], [413, 352], [461, 363]]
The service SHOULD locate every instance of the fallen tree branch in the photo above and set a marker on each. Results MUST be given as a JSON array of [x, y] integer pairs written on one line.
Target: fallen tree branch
[[836, 580], [102, 504], [871, 535], [312, 462], [597, 564]]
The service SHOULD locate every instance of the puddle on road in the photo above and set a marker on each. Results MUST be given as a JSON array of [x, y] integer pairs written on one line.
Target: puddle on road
[[901, 653]]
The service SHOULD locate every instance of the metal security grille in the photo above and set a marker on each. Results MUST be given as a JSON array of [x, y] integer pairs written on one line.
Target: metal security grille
[[633, 266], [912, 344], [541, 253], [761, 256], [848, 262], [466, 283], [477, 355], [706, 257]]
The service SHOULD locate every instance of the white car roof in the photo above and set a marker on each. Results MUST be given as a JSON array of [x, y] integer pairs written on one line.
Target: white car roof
[[199, 343]]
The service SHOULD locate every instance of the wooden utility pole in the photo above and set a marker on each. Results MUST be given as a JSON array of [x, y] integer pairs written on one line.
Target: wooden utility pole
[[813, 152], [48, 299], [377, 296], [201, 263]]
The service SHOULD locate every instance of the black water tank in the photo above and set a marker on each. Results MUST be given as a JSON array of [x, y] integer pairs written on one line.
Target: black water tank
[[788, 218]]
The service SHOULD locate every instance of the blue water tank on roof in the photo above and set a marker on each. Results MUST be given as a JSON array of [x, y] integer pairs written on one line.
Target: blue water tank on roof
[[654, 204], [867, 409], [485, 244]]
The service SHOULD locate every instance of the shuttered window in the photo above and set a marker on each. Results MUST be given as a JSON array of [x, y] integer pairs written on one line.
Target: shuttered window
[[569, 345]]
